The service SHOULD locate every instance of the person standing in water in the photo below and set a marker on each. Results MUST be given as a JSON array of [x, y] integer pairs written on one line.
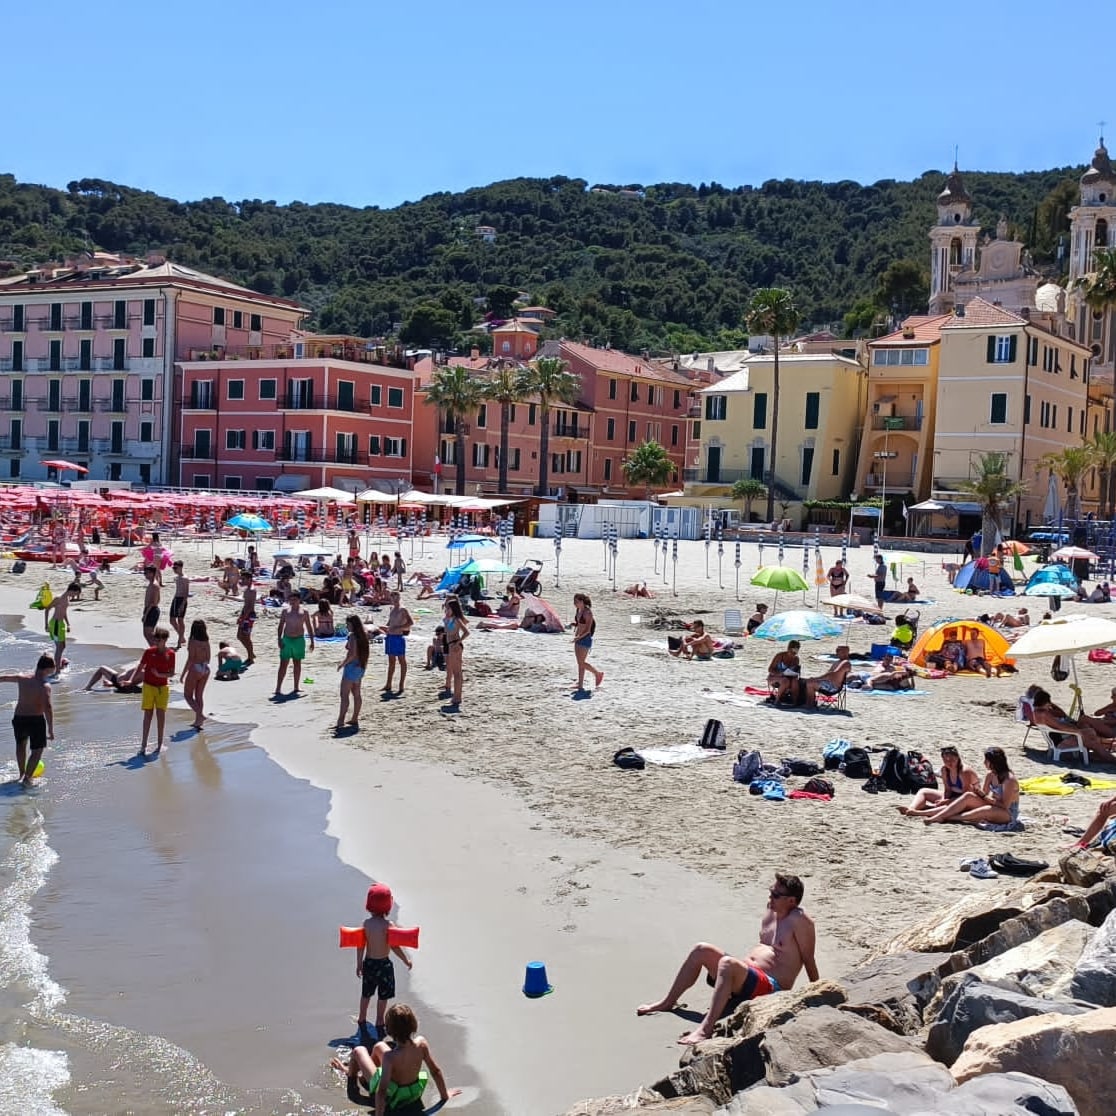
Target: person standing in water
[[157, 665], [352, 668], [585, 628], [247, 618], [195, 673], [58, 626], [33, 717], [178, 603]]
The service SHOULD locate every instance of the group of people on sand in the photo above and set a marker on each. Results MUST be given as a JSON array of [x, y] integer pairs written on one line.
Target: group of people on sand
[[789, 687], [964, 797]]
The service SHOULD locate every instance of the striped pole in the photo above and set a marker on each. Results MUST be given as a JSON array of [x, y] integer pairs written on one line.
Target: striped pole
[[720, 556], [736, 563]]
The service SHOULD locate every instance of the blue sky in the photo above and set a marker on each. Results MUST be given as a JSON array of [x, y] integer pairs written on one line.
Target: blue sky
[[373, 103]]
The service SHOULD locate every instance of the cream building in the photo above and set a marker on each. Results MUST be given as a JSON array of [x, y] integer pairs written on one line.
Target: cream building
[[822, 399], [1008, 383]]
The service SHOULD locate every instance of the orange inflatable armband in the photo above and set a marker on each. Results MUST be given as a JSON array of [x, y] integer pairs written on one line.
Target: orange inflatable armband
[[403, 936], [352, 937]]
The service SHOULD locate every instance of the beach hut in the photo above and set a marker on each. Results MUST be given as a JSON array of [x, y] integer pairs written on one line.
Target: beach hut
[[997, 648]]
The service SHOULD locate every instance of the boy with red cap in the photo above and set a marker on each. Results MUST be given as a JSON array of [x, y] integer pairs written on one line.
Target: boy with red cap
[[374, 964]]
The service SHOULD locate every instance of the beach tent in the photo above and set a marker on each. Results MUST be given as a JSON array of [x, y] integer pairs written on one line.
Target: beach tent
[[998, 649], [980, 579], [537, 605]]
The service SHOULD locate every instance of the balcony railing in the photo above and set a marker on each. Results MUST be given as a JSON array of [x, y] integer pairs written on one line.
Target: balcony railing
[[197, 453], [11, 445], [8, 325], [328, 457], [391, 356], [897, 422], [897, 481], [716, 476], [568, 430]]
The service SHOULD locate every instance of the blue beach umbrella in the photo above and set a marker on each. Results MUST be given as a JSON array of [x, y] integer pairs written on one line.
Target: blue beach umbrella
[[1053, 574], [248, 521], [798, 623], [463, 542]]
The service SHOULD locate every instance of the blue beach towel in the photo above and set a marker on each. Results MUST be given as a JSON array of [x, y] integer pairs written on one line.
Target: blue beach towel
[[891, 693]]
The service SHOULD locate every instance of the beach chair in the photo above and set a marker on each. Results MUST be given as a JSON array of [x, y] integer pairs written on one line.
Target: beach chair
[[734, 622], [833, 701], [1060, 743]]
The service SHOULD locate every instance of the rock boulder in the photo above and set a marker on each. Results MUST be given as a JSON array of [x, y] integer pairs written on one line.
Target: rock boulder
[[1086, 868], [823, 1037], [971, 1004], [1094, 978], [1074, 1051], [893, 989]]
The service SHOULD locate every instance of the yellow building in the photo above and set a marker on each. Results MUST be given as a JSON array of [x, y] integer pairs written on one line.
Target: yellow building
[[821, 403], [1008, 383], [895, 449]]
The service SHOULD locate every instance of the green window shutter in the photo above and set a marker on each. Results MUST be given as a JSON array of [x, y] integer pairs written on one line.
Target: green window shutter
[[1012, 348], [992, 350]]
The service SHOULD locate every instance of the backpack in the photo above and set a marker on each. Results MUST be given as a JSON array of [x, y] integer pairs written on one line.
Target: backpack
[[834, 752], [857, 763], [818, 785], [1058, 669], [893, 771], [919, 772], [747, 766], [629, 759], [801, 767], [19, 566], [713, 735]]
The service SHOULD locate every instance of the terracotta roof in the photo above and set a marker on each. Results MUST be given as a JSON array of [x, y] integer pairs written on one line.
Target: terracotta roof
[[925, 327], [516, 326], [980, 312], [612, 360]]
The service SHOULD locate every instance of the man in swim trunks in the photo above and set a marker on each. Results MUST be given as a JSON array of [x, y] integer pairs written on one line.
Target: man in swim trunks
[[294, 629], [698, 644], [33, 717], [151, 597], [786, 946], [178, 603], [396, 630]]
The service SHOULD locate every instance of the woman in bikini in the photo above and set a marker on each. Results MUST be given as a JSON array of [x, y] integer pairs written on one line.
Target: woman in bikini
[[995, 802], [585, 628], [457, 631], [323, 620], [352, 668], [783, 672], [195, 673], [957, 779]]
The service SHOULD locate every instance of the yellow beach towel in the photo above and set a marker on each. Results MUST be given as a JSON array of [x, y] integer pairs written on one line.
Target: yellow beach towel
[[1052, 784]]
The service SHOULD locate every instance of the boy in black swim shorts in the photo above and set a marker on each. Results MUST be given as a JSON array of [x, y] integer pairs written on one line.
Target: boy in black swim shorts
[[33, 719], [374, 965], [151, 598]]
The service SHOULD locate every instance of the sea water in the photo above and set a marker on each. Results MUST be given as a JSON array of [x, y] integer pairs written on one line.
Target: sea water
[[168, 926]]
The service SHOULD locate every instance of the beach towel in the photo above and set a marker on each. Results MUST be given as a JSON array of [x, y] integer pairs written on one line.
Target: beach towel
[[891, 693], [1054, 785], [672, 754], [732, 699], [759, 691], [810, 795], [1016, 826]]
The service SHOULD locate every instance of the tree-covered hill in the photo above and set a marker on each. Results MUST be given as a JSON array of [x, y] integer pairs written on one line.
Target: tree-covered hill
[[665, 266]]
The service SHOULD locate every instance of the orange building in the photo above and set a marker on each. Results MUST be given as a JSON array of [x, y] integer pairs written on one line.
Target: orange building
[[325, 415]]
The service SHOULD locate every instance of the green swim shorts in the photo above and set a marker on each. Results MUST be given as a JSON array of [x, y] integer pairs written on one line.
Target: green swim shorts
[[292, 647]]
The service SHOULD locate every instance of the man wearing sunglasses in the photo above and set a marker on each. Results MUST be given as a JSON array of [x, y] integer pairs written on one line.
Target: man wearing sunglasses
[[786, 947]]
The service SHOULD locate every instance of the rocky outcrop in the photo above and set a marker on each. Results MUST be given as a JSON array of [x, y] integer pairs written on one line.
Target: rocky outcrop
[[894, 988], [906, 1083], [1042, 966], [1085, 868], [1094, 977], [645, 1101], [1074, 1051], [971, 1004]]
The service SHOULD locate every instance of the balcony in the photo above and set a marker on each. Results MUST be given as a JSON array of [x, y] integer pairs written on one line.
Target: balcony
[[353, 350], [197, 453], [897, 422], [6, 404], [113, 406], [8, 325], [897, 481], [11, 445], [718, 476], [571, 430], [326, 457]]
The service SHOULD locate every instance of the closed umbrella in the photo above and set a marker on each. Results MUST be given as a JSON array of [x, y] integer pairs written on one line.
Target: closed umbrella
[[798, 623]]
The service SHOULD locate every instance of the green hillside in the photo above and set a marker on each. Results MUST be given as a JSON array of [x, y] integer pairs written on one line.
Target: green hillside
[[671, 269]]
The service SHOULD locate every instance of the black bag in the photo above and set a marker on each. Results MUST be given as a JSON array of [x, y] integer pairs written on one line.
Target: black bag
[[629, 759], [19, 566], [1010, 865], [919, 772], [802, 767], [1058, 669], [818, 785], [857, 763], [893, 771], [713, 735]]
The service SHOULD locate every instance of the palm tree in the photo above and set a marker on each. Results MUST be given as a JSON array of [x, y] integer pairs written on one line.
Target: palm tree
[[995, 490], [772, 311], [1103, 448], [1069, 466], [748, 489], [457, 393], [648, 464], [552, 383], [507, 386]]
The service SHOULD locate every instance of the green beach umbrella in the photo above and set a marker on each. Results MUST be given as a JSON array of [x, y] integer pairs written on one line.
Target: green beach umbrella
[[781, 579]]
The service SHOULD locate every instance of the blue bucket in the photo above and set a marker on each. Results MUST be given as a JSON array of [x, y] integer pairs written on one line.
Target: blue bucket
[[535, 983], [881, 649]]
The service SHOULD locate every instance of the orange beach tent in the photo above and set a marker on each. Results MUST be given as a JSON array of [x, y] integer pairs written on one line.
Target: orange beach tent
[[931, 641]]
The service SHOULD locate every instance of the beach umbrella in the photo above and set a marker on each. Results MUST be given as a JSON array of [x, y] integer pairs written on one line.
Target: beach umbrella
[[300, 550], [1014, 546], [779, 578], [855, 602], [1054, 574], [463, 541], [799, 623], [1049, 589], [328, 495], [55, 463], [1066, 635], [1068, 553], [248, 521], [484, 566]]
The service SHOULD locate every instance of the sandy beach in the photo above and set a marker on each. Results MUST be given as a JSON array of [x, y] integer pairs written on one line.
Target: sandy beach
[[509, 836]]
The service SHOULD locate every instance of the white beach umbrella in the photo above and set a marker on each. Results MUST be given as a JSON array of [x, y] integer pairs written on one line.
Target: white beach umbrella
[[1065, 635], [853, 601], [1068, 553], [338, 495], [300, 550]]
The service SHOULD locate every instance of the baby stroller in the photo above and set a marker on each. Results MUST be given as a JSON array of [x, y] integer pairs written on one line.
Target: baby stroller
[[526, 578]]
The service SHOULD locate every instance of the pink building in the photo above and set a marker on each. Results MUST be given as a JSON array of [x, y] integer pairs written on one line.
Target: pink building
[[87, 356], [321, 411]]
